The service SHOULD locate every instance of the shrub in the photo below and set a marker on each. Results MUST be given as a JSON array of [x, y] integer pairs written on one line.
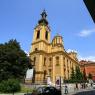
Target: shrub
[[10, 86]]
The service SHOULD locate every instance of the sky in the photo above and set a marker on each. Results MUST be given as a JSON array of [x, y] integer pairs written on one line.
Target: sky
[[69, 18]]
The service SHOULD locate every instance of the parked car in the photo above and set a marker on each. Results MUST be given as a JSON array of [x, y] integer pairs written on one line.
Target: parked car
[[48, 91], [45, 91], [93, 85]]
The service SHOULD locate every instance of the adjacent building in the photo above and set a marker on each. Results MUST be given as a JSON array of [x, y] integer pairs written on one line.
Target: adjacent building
[[88, 67], [50, 60]]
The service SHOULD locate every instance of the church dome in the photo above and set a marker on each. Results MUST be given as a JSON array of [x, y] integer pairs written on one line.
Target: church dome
[[57, 41]]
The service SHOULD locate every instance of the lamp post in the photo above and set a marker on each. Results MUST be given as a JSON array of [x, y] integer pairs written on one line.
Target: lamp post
[[61, 85]]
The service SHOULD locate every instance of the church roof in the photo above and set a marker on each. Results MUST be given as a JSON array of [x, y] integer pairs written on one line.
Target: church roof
[[43, 19]]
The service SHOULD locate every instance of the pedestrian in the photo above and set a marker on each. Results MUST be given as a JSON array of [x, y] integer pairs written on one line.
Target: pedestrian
[[82, 85], [66, 89], [76, 86], [86, 85]]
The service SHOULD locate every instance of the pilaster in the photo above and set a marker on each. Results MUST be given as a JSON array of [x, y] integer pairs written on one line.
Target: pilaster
[[61, 64], [54, 69], [40, 63]]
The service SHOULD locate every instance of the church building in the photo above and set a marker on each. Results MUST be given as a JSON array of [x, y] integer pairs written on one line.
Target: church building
[[50, 60]]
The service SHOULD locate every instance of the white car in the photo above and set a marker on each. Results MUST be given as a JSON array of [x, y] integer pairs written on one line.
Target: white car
[[93, 85]]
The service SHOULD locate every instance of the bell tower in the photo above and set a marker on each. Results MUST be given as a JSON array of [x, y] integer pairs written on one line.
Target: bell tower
[[40, 47], [41, 35]]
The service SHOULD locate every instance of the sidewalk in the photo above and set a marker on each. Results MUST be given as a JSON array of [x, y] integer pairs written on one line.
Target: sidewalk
[[14, 94], [76, 91]]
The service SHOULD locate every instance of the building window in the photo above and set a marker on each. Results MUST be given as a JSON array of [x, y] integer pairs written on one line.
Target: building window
[[64, 69], [44, 61], [36, 49], [67, 60], [64, 61], [70, 64], [50, 72], [50, 62], [57, 61], [45, 75], [67, 65], [64, 65], [38, 34], [46, 35], [64, 74], [64, 58], [34, 60]]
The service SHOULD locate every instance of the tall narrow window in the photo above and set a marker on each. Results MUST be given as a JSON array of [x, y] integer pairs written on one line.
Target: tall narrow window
[[46, 35], [44, 61], [57, 61], [50, 63], [34, 60], [45, 75], [36, 49], [49, 72], [38, 34]]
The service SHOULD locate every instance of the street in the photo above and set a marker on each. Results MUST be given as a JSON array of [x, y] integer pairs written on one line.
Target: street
[[86, 93]]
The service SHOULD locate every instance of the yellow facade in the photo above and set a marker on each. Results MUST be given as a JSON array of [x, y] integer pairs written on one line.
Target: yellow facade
[[50, 58]]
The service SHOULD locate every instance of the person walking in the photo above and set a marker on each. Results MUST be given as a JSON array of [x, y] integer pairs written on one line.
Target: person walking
[[77, 86], [66, 89]]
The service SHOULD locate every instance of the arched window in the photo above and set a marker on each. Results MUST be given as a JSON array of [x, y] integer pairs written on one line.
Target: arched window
[[46, 35], [38, 34]]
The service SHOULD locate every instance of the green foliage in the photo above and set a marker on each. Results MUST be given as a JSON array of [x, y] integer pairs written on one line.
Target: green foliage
[[76, 76], [13, 61], [79, 75], [73, 74], [10, 86]]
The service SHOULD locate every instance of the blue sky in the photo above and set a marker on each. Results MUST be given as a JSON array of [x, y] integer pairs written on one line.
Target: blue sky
[[69, 18]]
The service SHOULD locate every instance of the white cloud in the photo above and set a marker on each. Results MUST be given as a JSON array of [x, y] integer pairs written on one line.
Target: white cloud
[[86, 33], [88, 58], [70, 50], [26, 53]]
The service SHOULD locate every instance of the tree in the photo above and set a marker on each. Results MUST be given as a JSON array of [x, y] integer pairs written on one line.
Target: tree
[[78, 74], [89, 76], [13, 61], [72, 74], [84, 75]]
